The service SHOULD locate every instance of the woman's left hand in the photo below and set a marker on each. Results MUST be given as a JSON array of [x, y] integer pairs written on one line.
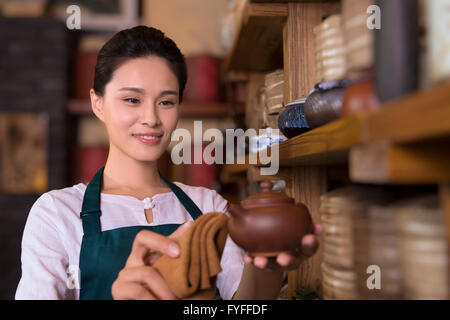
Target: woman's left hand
[[286, 261]]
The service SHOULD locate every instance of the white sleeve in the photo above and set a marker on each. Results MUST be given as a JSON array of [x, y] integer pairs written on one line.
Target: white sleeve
[[232, 262], [44, 258]]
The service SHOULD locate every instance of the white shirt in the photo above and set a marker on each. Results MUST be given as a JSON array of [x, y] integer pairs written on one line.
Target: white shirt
[[53, 232]]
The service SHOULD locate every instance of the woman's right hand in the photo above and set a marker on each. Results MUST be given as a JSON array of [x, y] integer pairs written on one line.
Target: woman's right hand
[[138, 280]]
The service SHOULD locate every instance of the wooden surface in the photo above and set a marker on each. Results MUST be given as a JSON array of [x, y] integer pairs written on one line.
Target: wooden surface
[[254, 174], [258, 46], [422, 115], [298, 47], [410, 120], [444, 195], [253, 107], [385, 162], [323, 145], [307, 183]]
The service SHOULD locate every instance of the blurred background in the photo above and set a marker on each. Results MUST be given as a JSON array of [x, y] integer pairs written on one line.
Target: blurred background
[[358, 88]]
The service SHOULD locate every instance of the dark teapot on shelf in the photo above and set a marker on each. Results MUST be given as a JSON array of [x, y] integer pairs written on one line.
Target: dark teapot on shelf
[[269, 222]]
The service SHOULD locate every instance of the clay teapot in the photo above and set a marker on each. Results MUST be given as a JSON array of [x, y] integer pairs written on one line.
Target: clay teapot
[[268, 223]]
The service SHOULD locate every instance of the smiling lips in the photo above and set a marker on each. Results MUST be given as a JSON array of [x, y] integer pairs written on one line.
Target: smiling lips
[[148, 138]]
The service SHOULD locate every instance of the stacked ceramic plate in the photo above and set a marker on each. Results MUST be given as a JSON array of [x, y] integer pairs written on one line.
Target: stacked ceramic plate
[[338, 210], [376, 246], [358, 37], [330, 56], [423, 248], [274, 85], [338, 284]]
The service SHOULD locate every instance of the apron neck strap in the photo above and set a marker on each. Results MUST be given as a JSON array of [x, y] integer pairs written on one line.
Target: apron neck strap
[[90, 211], [187, 202]]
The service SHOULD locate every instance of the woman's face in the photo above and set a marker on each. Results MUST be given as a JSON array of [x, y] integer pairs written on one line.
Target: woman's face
[[140, 107]]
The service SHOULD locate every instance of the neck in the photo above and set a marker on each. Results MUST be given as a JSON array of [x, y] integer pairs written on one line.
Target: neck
[[124, 173]]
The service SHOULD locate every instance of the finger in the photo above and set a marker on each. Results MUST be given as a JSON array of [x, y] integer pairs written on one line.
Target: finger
[[318, 229], [284, 259], [130, 291], [309, 245], [147, 240], [151, 257], [151, 278], [247, 259], [260, 262], [181, 230]]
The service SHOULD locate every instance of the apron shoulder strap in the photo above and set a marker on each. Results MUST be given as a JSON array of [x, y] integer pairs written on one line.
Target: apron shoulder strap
[[187, 202], [90, 211]]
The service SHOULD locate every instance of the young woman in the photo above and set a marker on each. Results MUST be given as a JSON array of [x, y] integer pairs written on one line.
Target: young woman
[[99, 241]]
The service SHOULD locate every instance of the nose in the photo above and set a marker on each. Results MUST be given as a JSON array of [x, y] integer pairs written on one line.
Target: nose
[[149, 116]]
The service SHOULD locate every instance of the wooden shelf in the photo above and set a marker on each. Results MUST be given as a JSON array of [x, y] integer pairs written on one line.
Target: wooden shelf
[[258, 46], [187, 109], [406, 141], [420, 123]]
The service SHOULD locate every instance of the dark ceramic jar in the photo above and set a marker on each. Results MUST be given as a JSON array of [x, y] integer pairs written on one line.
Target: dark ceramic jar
[[269, 223], [324, 103], [292, 121]]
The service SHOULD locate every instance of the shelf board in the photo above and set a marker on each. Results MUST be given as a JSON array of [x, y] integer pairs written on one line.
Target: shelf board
[[258, 45], [419, 116], [386, 162], [187, 109], [419, 119]]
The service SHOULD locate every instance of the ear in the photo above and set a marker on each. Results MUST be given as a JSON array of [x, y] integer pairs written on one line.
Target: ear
[[97, 105]]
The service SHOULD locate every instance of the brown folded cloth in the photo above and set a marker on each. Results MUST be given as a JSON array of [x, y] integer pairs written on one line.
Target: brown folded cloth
[[193, 274]]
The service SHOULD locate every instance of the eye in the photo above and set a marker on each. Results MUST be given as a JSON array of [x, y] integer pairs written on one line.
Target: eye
[[167, 103], [131, 100]]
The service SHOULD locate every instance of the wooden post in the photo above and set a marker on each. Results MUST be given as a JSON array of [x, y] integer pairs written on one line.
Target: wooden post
[[308, 183]]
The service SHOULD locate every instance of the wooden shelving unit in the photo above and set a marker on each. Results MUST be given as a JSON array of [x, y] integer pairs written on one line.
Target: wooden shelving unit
[[405, 142]]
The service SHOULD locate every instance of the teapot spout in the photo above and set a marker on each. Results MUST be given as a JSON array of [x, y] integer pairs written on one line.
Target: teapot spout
[[237, 211]]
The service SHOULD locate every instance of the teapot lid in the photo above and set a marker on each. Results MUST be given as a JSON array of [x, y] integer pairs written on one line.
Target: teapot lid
[[266, 198]]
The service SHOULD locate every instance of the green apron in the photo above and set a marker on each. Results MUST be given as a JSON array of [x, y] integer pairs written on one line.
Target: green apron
[[104, 253]]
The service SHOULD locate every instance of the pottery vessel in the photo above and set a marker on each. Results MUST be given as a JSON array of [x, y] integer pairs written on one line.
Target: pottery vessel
[[324, 103], [269, 222], [359, 97], [292, 121]]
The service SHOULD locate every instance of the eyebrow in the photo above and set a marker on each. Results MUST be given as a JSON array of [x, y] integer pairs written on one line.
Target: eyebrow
[[139, 90]]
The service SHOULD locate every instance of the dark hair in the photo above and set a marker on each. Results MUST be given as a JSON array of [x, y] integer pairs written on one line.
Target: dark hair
[[140, 41]]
